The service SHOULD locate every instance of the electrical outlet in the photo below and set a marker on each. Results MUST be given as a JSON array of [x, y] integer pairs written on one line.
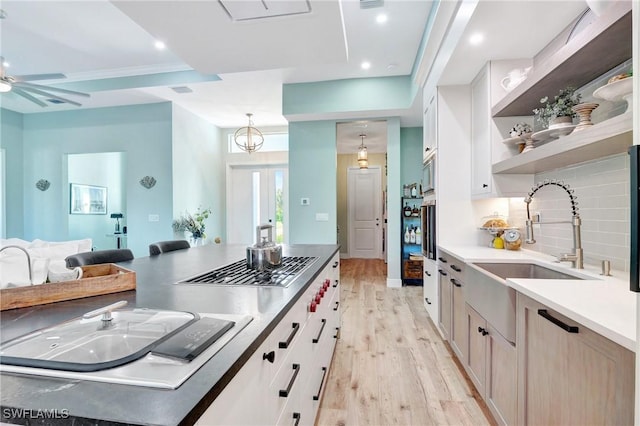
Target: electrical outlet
[[322, 217], [154, 218], [304, 201]]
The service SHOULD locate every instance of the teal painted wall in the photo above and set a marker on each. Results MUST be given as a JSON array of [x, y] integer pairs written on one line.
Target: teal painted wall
[[143, 132], [11, 125], [312, 174], [411, 155], [352, 95], [198, 170]]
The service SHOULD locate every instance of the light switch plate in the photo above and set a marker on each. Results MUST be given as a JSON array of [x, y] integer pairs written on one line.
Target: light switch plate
[[322, 217], [154, 218]]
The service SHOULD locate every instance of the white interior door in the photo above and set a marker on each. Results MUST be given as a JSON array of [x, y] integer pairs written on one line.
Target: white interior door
[[257, 195], [364, 200]]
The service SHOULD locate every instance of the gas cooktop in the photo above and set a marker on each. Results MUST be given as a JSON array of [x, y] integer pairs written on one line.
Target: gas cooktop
[[238, 274]]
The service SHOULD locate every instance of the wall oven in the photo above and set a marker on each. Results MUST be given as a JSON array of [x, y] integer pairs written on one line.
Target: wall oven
[[428, 217]]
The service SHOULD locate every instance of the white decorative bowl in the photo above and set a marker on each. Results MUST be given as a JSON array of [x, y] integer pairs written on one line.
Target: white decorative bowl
[[616, 91]]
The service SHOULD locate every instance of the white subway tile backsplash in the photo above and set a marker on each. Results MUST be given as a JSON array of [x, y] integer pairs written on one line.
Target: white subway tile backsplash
[[602, 191]]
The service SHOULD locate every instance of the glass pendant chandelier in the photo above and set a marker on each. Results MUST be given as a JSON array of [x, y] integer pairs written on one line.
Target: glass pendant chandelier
[[363, 158], [248, 138]]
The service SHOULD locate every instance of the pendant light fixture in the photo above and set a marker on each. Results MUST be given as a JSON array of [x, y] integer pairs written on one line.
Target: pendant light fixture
[[248, 138], [363, 158]]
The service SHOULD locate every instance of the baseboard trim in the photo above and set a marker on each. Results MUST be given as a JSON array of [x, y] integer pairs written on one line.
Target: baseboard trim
[[394, 282]]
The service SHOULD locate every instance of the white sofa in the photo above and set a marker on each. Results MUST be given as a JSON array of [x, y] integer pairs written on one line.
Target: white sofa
[[13, 262]]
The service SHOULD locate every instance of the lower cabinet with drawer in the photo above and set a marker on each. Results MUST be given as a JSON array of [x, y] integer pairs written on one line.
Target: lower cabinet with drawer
[[283, 381], [491, 366], [452, 301], [568, 374]]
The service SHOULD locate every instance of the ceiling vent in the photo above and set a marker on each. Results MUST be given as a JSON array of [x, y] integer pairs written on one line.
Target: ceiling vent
[[370, 4], [261, 9], [182, 89]]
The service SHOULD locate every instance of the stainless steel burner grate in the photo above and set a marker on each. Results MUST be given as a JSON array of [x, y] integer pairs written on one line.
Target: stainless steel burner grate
[[237, 274]]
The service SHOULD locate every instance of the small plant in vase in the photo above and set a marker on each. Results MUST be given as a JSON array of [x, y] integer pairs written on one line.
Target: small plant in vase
[[558, 113], [193, 223]]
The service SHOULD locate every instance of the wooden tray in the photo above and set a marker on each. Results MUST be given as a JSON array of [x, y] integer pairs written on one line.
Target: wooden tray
[[96, 280]]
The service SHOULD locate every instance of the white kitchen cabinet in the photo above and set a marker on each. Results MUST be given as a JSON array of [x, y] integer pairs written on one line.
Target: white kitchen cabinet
[[430, 288], [430, 126], [491, 366], [486, 140], [569, 374], [283, 381]]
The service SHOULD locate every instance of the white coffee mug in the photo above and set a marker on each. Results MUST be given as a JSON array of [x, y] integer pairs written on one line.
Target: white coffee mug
[[64, 274]]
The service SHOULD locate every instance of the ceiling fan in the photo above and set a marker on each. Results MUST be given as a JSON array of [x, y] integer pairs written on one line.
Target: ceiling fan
[[19, 84]]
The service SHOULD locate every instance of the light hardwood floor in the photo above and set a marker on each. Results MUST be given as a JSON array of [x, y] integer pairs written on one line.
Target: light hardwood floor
[[390, 366]]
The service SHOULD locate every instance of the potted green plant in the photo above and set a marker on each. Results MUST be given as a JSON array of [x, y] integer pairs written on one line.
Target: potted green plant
[[193, 223], [558, 113]]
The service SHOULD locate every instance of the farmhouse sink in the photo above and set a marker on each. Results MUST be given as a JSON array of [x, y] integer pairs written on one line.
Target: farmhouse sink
[[525, 270]]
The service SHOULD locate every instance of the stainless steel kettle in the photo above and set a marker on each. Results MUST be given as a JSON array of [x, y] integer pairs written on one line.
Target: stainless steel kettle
[[265, 254]]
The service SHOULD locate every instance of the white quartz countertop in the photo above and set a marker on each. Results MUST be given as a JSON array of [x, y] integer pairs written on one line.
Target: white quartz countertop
[[603, 304]]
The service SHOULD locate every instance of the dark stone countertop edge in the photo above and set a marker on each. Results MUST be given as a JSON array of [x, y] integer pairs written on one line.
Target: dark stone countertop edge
[[190, 410]]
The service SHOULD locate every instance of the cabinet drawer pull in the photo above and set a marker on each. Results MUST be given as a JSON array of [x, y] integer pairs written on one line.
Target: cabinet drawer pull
[[455, 268], [483, 331], [324, 373], [426, 299], [484, 185], [296, 419], [442, 259], [285, 345], [566, 327], [317, 339], [337, 335], [285, 392], [427, 273], [335, 265], [335, 284], [455, 282], [271, 356], [441, 272], [337, 305]]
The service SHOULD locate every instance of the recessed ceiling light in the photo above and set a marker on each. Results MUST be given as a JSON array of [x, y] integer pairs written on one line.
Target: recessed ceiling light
[[365, 65], [476, 38], [381, 18], [6, 64], [160, 45], [392, 66]]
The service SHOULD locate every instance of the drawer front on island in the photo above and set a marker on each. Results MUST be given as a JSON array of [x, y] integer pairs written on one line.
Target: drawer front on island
[[568, 374], [283, 381]]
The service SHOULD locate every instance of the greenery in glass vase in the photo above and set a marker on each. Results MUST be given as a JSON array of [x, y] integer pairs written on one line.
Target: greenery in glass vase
[[194, 223], [561, 106]]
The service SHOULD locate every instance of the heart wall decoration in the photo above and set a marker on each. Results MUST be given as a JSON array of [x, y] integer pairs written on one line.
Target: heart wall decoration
[[43, 184], [148, 182]]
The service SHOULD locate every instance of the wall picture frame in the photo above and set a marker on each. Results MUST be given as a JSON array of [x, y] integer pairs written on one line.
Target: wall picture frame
[[87, 199]]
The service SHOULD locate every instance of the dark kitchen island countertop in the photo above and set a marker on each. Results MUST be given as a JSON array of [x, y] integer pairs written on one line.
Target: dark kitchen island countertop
[[88, 402]]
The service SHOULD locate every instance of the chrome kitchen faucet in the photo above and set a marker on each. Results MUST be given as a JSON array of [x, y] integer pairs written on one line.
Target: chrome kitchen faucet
[[28, 260], [576, 258]]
